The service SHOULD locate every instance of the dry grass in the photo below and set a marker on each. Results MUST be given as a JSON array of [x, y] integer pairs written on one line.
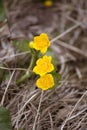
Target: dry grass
[[64, 108]]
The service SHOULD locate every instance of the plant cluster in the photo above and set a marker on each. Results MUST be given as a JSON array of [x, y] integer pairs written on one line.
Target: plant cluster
[[44, 66], [41, 64]]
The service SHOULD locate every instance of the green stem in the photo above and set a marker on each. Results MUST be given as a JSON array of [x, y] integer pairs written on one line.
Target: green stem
[[32, 63], [28, 73]]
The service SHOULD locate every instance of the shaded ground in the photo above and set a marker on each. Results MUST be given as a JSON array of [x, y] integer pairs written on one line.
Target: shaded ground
[[64, 108]]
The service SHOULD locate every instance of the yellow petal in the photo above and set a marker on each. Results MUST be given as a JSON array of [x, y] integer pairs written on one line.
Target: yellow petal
[[48, 3], [48, 58], [41, 43], [45, 82], [43, 65], [43, 50], [31, 44]]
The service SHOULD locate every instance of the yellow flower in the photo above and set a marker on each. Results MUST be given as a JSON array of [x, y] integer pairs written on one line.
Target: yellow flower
[[48, 3], [40, 43], [45, 82], [43, 65], [31, 44]]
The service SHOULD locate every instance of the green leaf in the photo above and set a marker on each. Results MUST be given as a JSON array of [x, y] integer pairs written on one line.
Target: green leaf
[[5, 119], [2, 11], [1, 75], [51, 53], [22, 45], [57, 78]]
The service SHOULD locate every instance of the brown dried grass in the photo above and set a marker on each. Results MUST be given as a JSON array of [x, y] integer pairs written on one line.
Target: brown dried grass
[[64, 108]]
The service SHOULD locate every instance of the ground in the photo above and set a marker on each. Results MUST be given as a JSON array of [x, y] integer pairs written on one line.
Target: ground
[[64, 108]]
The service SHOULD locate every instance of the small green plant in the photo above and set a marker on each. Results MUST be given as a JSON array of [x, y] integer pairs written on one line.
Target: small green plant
[[5, 119], [41, 63], [2, 11]]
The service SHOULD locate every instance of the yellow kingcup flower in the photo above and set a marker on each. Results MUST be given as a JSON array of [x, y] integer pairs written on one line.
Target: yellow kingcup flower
[[40, 43], [48, 3], [45, 82], [43, 65], [31, 44]]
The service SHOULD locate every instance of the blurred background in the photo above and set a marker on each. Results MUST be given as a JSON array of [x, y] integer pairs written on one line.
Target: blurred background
[[65, 22]]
